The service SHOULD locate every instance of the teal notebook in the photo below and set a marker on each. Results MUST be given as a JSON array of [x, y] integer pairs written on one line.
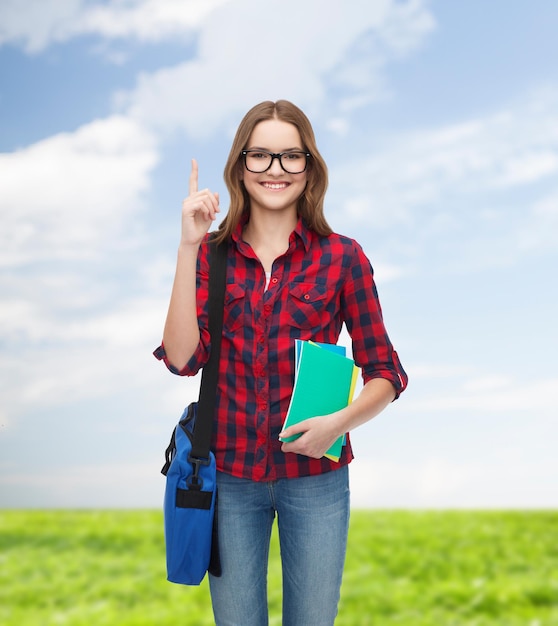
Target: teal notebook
[[325, 381]]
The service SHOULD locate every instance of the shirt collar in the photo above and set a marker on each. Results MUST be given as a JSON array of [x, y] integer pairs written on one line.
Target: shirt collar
[[301, 232]]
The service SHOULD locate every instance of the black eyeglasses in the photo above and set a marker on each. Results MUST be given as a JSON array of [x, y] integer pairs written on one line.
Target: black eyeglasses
[[259, 161]]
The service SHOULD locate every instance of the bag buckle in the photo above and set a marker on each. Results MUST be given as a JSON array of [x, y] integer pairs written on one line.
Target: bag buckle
[[195, 481]]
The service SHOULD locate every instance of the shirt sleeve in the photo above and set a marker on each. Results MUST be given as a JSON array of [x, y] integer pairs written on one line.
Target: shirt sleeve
[[373, 351], [201, 353]]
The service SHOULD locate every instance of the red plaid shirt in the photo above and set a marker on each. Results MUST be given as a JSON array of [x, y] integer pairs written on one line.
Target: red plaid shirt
[[319, 283]]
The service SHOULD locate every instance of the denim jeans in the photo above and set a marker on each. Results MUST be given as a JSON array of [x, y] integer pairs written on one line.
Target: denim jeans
[[313, 520]]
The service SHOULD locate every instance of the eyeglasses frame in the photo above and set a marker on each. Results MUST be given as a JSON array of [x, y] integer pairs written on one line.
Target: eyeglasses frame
[[276, 155]]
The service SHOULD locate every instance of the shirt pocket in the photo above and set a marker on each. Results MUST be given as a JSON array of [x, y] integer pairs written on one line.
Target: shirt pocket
[[306, 305], [235, 308]]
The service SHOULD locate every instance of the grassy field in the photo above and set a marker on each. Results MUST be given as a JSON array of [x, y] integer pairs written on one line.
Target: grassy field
[[97, 568]]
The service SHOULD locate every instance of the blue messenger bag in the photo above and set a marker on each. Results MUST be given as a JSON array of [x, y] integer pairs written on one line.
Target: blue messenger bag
[[190, 510]]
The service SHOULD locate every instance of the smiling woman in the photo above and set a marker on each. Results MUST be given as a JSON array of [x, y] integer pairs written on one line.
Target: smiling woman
[[282, 257]]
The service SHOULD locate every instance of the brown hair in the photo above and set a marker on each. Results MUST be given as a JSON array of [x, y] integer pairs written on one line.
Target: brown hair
[[311, 203]]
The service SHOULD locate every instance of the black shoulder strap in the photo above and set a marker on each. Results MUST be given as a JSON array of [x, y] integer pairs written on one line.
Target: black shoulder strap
[[208, 390]]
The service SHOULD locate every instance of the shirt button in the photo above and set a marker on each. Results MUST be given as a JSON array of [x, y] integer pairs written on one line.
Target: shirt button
[[306, 296], [274, 280]]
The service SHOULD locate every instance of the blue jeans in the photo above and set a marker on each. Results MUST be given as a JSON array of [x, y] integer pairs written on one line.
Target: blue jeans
[[313, 521]]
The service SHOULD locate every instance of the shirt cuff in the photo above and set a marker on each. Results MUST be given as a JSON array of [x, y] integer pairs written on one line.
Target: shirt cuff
[[190, 369], [398, 383]]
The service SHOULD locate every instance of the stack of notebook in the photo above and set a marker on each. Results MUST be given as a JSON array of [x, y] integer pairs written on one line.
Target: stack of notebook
[[325, 380]]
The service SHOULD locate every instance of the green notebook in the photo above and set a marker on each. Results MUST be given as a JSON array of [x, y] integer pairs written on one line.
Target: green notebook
[[325, 381]]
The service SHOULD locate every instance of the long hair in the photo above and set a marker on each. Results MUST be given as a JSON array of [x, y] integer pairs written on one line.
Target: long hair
[[311, 203]]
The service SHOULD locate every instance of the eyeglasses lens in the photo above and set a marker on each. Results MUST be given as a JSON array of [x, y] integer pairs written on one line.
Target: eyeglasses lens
[[291, 162]]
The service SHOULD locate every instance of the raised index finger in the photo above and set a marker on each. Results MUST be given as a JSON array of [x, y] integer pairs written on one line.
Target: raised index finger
[[194, 177]]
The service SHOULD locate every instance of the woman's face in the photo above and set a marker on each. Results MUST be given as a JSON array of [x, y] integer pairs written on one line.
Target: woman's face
[[275, 189]]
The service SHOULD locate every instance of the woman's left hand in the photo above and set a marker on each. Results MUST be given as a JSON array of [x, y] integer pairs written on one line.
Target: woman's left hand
[[317, 435]]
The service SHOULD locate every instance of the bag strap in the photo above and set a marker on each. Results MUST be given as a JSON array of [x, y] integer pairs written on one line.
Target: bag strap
[[208, 391]]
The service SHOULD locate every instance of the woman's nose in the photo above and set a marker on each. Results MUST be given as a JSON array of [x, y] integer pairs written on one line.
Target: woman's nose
[[275, 167]]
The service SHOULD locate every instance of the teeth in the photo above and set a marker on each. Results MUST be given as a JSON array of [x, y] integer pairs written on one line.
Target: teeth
[[274, 185]]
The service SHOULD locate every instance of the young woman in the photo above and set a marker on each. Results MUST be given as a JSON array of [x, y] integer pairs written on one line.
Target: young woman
[[288, 277]]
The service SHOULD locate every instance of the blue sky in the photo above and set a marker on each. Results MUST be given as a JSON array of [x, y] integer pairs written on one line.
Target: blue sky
[[439, 123]]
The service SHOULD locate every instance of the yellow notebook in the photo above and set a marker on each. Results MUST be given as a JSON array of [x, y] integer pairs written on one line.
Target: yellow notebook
[[325, 381]]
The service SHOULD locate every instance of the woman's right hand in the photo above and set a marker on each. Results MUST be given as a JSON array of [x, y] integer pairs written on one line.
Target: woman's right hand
[[199, 210]]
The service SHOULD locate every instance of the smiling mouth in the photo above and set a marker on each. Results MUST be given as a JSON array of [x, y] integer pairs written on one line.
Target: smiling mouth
[[275, 185]]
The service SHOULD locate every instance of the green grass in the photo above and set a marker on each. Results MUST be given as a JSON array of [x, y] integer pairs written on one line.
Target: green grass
[[95, 568]]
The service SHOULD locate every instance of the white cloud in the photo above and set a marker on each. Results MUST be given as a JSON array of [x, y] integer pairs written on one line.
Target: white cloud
[[359, 70], [146, 20], [418, 169], [90, 357], [125, 485], [245, 57], [37, 23], [539, 231], [69, 208], [407, 25], [547, 207], [488, 394], [476, 191], [507, 481], [40, 23], [66, 196], [529, 167], [428, 371], [44, 22], [390, 484]]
